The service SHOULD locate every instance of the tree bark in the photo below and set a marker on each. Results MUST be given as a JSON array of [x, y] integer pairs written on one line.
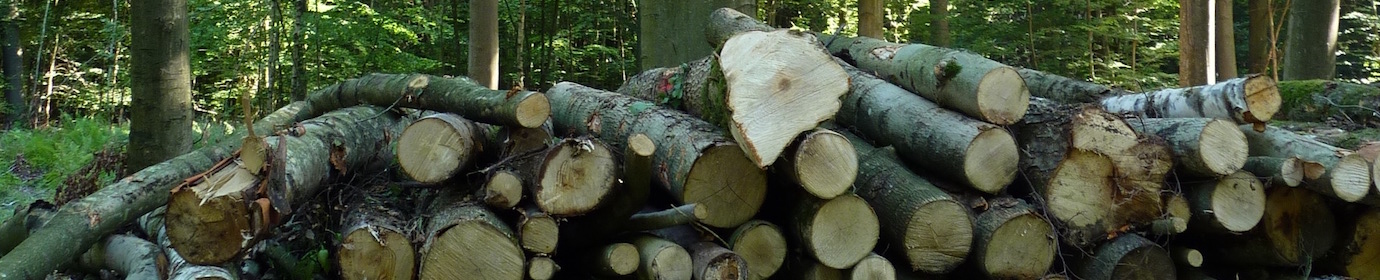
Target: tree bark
[[1276, 171], [1203, 147], [1347, 174], [177, 267], [1225, 41], [629, 197], [660, 259], [1311, 42], [710, 261], [299, 68], [659, 219], [1013, 241], [1193, 42], [129, 255], [465, 240], [762, 245], [26, 218], [1128, 256], [483, 45], [13, 65], [1322, 100], [459, 95], [871, 16], [693, 159], [939, 23], [1177, 215], [962, 81], [1064, 89], [934, 230], [1262, 43], [972, 152], [1297, 228], [161, 85], [1232, 204], [1253, 99], [375, 241], [672, 32]]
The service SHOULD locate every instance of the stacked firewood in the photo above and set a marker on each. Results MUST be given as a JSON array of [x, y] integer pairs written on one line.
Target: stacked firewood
[[786, 154]]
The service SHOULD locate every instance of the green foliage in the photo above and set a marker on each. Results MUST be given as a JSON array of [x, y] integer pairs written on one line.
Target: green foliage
[[50, 154], [1358, 42]]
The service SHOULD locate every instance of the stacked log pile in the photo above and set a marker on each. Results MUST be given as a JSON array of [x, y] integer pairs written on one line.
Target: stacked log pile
[[786, 155]]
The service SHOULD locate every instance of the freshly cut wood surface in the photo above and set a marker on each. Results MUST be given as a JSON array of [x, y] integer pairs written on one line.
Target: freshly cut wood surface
[[1251, 100], [1186, 256], [872, 267], [714, 262], [838, 232], [503, 190], [1201, 146], [465, 240], [1276, 171], [437, 147], [1298, 227], [821, 161], [537, 231], [542, 268], [1235, 203], [1358, 248], [375, 242], [1013, 241], [1177, 215], [575, 176], [1128, 256], [614, 260], [1346, 175], [762, 246]]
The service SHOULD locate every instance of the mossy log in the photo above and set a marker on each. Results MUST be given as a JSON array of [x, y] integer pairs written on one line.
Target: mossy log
[[465, 240], [1252, 100], [1357, 249], [375, 241], [214, 218], [1013, 241], [978, 154], [460, 95], [1276, 171], [1347, 176], [1201, 146], [660, 259], [934, 231], [1322, 100], [694, 161], [1064, 89], [1231, 204], [1298, 227], [956, 79], [764, 113], [26, 218], [762, 245], [1128, 256]]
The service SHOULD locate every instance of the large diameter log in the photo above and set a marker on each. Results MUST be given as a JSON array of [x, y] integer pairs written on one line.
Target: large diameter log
[[934, 231], [1129, 256], [177, 268], [1249, 100], [437, 147], [574, 177], [959, 80], [1322, 100], [1358, 248], [1232, 204], [1202, 146], [764, 113], [215, 218], [375, 242], [976, 153], [1298, 227], [872, 267], [465, 240], [661, 259], [459, 95], [1276, 171], [1013, 241], [1347, 175], [822, 162], [762, 246], [628, 197], [693, 160], [1064, 89], [838, 232]]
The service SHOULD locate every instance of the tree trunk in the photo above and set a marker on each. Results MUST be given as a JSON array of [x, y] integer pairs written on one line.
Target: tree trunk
[[939, 23], [660, 259], [821, 161], [13, 64], [218, 216], [1225, 41], [1297, 228], [1203, 147], [962, 81], [1321, 100], [1064, 89], [1253, 99], [1276, 171], [1358, 247], [763, 113], [1311, 42], [161, 89], [299, 68], [459, 95], [439, 146], [483, 52], [465, 240], [1232, 204], [838, 232], [934, 230], [672, 32], [871, 16], [275, 47], [972, 152], [1013, 241], [1262, 43], [762, 245], [873, 266], [1129, 256], [693, 159], [1193, 42], [375, 241], [1347, 174]]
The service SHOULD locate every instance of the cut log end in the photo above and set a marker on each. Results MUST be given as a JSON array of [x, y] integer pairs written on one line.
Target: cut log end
[[939, 236], [538, 232], [1298, 225], [825, 164], [1187, 256], [435, 147], [727, 185], [504, 190], [1351, 178], [622, 258], [533, 111], [456, 251], [761, 245], [1021, 248], [208, 222], [577, 176], [1222, 147], [388, 255], [843, 231], [1002, 96], [992, 160], [1129, 257], [641, 145], [768, 111], [1262, 98], [1238, 202], [539, 268], [671, 263], [1079, 192], [873, 267]]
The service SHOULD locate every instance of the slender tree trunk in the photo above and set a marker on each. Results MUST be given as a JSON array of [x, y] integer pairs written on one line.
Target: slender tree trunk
[[161, 124], [275, 19], [483, 60], [299, 81], [1225, 53], [939, 23], [870, 18], [13, 64], [1262, 20], [1312, 40], [1193, 39], [672, 32]]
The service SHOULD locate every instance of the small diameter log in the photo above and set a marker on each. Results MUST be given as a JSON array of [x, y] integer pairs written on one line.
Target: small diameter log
[[614, 260], [838, 232], [1276, 171], [26, 218], [375, 242], [975, 153], [574, 177], [693, 160], [1231, 204], [1322, 100], [129, 255], [465, 240], [1201, 146], [661, 259], [822, 162], [1128, 256], [503, 190], [1177, 214], [459, 95], [1297, 229], [959, 80], [1064, 89], [680, 215], [1358, 249], [217, 216], [438, 146], [542, 268], [1013, 241], [1186, 256], [764, 113], [1347, 175], [628, 198], [1251, 100], [762, 246], [714, 262], [537, 231], [873, 267], [934, 231]]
